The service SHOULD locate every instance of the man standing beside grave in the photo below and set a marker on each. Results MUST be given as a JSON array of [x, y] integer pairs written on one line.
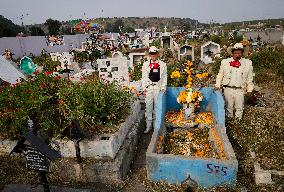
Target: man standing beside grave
[[236, 78], [154, 80]]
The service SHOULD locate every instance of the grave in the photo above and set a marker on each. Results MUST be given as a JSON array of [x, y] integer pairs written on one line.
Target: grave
[[186, 51], [113, 69], [203, 171], [106, 158], [167, 41], [117, 55], [55, 56], [8, 72], [209, 51], [136, 55]]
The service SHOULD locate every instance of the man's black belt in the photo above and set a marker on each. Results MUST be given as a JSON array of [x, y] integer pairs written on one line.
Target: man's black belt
[[152, 84], [232, 87]]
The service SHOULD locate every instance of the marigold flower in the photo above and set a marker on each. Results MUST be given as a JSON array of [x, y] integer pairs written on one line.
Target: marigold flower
[[175, 74]]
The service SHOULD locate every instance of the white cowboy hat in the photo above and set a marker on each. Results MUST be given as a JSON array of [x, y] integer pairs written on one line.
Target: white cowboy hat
[[237, 46], [153, 49]]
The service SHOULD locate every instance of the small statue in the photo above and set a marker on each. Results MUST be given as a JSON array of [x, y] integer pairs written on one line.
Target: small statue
[[189, 111]]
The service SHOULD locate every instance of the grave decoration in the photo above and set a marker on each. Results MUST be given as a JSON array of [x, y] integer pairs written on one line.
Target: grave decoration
[[114, 70], [188, 128], [37, 152], [53, 40], [27, 65]]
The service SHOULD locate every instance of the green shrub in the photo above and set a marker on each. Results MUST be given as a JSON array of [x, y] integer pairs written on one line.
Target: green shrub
[[136, 73], [268, 60], [53, 103], [35, 97], [46, 62], [95, 104]]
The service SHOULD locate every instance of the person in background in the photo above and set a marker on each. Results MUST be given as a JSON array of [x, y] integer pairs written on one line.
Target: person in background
[[154, 80], [236, 78]]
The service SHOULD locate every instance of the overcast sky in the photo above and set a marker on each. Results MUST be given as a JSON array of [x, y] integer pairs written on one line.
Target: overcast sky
[[203, 10]]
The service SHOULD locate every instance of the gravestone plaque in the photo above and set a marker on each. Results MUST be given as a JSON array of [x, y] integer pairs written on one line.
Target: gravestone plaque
[[114, 69], [35, 159]]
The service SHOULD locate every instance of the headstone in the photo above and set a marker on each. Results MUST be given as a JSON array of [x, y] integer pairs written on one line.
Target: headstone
[[35, 160], [66, 60], [135, 58], [114, 70], [186, 51], [117, 55], [209, 51], [55, 56]]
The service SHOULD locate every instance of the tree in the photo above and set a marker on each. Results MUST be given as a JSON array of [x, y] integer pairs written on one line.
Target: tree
[[36, 31], [53, 26], [128, 29], [117, 26], [8, 28]]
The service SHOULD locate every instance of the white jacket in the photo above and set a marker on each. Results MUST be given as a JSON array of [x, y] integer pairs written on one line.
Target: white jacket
[[163, 75], [245, 74]]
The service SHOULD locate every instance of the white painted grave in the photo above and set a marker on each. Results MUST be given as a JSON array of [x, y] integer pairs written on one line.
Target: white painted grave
[[8, 72], [209, 51], [186, 51], [113, 69]]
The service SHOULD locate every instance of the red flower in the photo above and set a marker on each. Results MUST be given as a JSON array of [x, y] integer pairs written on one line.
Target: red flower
[[47, 73], [35, 73], [58, 77], [42, 85]]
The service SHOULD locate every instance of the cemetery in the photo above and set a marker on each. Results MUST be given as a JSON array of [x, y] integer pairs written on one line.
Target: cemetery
[[73, 109]]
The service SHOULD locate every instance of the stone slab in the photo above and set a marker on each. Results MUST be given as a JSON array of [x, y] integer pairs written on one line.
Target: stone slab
[[110, 171]]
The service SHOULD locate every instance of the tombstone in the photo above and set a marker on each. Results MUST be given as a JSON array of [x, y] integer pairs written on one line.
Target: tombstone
[[283, 39], [66, 60], [55, 56], [208, 52], [135, 58], [146, 40], [117, 55], [186, 51], [167, 41], [112, 69], [37, 153]]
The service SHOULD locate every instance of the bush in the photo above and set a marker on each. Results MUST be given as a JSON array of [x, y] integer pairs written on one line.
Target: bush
[[46, 63], [136, 73], [53, 103], [36, 98], [96, 104], [268, 60]]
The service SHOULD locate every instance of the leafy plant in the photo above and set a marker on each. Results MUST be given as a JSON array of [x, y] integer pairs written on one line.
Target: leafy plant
[[136, 73], [35, 97], [46, 63], [96, 104]]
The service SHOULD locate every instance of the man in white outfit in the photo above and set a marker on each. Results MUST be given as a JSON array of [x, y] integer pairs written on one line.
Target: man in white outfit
[[154, 80], [236, 78]]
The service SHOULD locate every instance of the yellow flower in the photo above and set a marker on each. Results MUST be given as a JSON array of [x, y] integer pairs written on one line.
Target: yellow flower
[[175, 74], [201, 76], [182, 97]]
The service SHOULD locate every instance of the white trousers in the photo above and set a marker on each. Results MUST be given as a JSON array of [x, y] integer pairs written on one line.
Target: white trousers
[[152, 93], [234, 99]]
